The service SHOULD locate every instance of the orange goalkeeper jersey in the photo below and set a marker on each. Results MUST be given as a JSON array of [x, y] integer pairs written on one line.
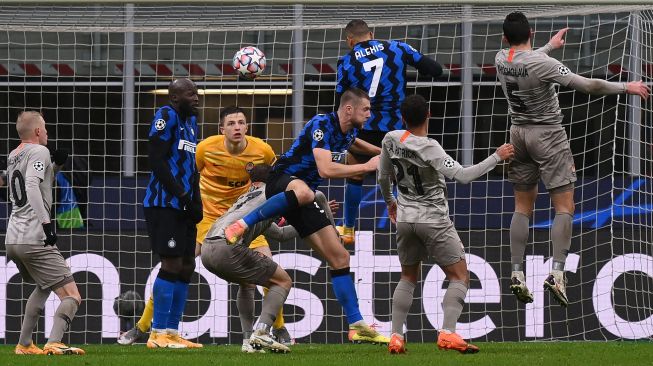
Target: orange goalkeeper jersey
[[224, 177]]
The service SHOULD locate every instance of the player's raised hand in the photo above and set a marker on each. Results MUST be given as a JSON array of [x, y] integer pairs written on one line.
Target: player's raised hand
[[558, 41], [506, 151], [373, 163], [638, 88]]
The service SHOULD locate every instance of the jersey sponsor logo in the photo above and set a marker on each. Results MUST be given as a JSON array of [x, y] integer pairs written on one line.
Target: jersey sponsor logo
[[338, 157], [237, 183], [160, 124], [368, 51], [38, 166], [449, 163], [187, 146], [172, 243], [563, 70], [318, 135]]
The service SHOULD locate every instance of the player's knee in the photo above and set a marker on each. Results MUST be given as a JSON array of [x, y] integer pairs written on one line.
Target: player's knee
[[187, 271], [339, 260], [282, 278], [304, 196]]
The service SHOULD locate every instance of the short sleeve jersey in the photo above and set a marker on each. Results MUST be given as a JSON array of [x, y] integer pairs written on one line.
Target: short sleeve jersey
[[527, 79], [419, 165], [28, 160], [322, 131], [168, 126], [225, 177], [379, 68]]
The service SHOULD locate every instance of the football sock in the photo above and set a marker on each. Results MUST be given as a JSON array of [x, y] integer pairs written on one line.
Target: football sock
[[279, 322], [145, 321], [518, 238], [353, 197], [274, 300], [343, 287], [62, 318], [179, 297], [245, 305], [402, 298], [33, 310], [276, 205], [452, 304], [561, 238], [163, 290]]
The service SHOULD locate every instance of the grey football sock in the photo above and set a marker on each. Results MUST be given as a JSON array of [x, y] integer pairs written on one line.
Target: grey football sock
[[452, 304], [402, 298], [272, 302], [561, 238], [63, 316], [518, 238], [33, 309], [245, 305]]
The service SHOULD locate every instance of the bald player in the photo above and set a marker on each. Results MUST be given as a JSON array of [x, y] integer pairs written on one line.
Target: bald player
[[31, 240], [542, 151]]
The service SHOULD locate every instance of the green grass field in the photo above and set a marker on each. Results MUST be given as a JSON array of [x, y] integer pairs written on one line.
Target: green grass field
[[495, 354]]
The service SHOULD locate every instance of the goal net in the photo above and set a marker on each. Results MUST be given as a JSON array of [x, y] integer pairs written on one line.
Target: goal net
[[99, 72]]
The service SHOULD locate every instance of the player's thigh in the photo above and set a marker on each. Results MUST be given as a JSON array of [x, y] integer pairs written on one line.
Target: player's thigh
[[522, 170], [410, 247], [263, 249], [327, 244], [45, 266], [309, 219], [549, 147], [237, 263], [170, 232], [442, 242]]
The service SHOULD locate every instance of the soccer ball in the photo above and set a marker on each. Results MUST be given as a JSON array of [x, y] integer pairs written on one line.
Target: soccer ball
[[249, 62], [128, 304]]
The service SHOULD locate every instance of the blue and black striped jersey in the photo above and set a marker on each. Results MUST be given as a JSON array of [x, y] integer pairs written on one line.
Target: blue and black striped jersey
[[322, 131], [379, 67], [167, 126]]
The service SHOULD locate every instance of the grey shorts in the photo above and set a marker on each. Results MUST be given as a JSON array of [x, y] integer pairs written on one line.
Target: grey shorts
[[44, 266], [418, 242], [237, 263], [541, 152]]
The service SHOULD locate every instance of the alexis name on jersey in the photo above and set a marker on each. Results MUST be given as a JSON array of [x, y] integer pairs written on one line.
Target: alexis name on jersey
[[369, 50]]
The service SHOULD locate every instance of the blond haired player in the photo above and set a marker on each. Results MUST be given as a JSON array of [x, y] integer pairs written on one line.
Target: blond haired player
[[223, 162]]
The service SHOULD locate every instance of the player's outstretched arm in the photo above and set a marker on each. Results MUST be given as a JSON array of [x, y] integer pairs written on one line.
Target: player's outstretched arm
[[556, 42], [328, 169], [602, 87], [468, 174]]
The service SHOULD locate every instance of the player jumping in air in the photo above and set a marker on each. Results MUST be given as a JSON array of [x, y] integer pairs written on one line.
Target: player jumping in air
[[378, 67], [542, 151]]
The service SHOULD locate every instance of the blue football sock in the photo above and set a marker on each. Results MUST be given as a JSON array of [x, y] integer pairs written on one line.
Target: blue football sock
[[276, 205], [178, 304], [353, 197], [343, 287], [162, 291]]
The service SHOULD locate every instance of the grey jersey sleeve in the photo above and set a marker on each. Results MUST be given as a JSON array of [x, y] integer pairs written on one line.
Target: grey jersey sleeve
[[546, 49], [39, 160], [596, 86], [445, 164], [280, 233], [551, 70], [385, 175], [35, 198]]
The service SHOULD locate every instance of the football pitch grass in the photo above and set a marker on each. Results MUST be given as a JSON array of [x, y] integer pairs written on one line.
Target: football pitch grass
[[495, 354]]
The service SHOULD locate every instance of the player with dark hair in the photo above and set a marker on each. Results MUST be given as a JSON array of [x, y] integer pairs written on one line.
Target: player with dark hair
[[419, 165], [542, 150], [379, 68], [31, 239], [290, 192], [247, 267], [172, 208]]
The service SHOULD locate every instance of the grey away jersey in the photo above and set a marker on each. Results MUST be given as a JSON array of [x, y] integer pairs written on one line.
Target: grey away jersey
[[245, 204], [527, 79], [28, 160], [419, 165]]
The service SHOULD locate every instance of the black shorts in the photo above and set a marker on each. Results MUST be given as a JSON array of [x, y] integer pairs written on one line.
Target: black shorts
[[171, 233], [307, 219], [373, 137]]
